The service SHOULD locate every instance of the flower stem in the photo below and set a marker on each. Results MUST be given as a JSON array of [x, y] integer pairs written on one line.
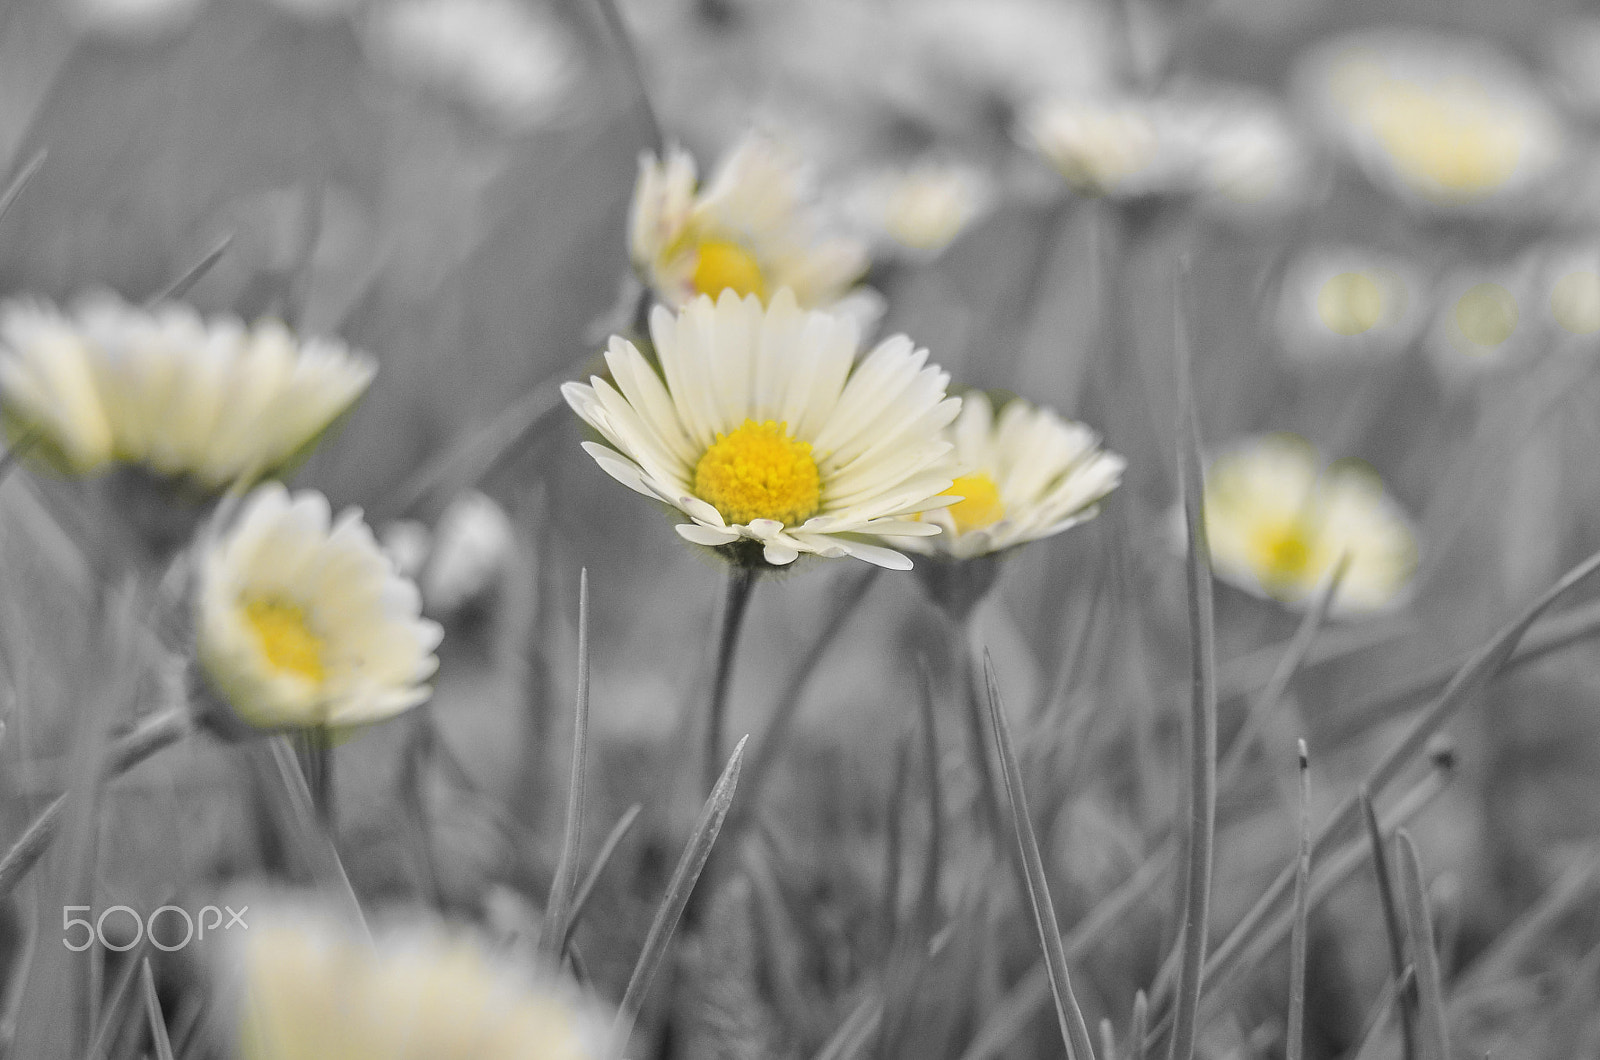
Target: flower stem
[[315, 751], [741, 579]]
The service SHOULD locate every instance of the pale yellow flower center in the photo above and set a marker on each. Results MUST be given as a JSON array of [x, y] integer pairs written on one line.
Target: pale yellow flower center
[[1454, 136], [721, 266], [1486, 314], [1350, 303], [1282, 554], [758, 471], [286, 640], [980, 506], [1575, 302]]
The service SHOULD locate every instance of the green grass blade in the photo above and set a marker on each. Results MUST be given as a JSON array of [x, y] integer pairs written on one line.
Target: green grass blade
[[609, 847], [679, 888], [152, 1007], [1074, 1031], [1407, 998], [1296, 1032], [1433, 1039], [191, 276], [29, 170], [553, 938]]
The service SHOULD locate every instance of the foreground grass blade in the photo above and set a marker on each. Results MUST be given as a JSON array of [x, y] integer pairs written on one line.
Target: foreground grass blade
[[553, 938], [1202, 722], [679, 889], [1074, 1031], [1407, 998], [1139, 1027], [621, 828], [152, 1006], [857, 1029], [1432, 1038], [1295, 1049], [159, 731], [315, 844]]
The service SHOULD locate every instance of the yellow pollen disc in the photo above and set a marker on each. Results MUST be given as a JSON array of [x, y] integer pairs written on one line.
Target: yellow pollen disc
[[758, 472], [720, 266], [1454, 136], [980, 507], [285, 639], [1350, 303], [1486, 315], [1283, 556], [1575, 302]]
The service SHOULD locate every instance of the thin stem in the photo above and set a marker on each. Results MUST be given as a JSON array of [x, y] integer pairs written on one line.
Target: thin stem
[[741, 580]]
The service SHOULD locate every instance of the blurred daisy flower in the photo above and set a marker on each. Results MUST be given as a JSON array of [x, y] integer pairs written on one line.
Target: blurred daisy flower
[[761, 432], [133, 21], [1485, 319], [1104, 146], [752, 231], [209, 402], [1566, 282], [511, 60], [1343, 303], [1438, 120], [918, 210], [309, 991], [471, 547], [1028, 475], [301, 621], [1277, 522]]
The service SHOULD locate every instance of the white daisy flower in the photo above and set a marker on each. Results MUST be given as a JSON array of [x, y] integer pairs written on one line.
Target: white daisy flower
[[307, 990], [471, 546], [1350, 304], [1029, 475], [751, 230], [761, 431], [133, 21], [918, 210], [1486, 318], [1104, 146], [1277, 522], [302, 621], [1438, 120], [507, 58], [1567, 287], [208, 401]]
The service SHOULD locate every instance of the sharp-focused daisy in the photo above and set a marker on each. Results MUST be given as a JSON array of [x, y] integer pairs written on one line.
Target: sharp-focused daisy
[[308, 991], [751, 231], [210, 402], [1027, 475], [761, 431], [1440, 121], [918, 210], [508, 59], [1277, 522], [302, 622], [1343, 303]]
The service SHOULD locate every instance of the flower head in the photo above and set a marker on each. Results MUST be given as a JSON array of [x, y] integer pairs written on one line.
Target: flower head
[[1440, 121], [302, 622], [210, 402], [919, 210], [1027, 475], [1350, 303], [761, 431], [311, 992], [1277, 523], [751, 230]]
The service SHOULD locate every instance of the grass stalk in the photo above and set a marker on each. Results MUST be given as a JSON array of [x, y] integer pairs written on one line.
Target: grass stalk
[[24, 175], [607, 848], [152, 1007], [554, 937], [1432, 1037], [741, 580], [1296, 1031], [192, 275], [1406, 997]]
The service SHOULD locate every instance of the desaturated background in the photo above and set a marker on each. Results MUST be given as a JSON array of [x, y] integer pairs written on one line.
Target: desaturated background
[[457, 207]]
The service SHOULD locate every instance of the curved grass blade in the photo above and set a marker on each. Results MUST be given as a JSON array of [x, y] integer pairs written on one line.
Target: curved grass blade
[[553, 938], [1432, 1038], [679, 888], [1407, 997], [1074, 1031], [586, 888]]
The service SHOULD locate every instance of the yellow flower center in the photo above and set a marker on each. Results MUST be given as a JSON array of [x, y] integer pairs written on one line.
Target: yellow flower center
[[758, 472], [720, 266], [1575, 302], [1283, 554], [1453, 136], [1486, 314], [980, 505], [1350, 303], [285, 639]]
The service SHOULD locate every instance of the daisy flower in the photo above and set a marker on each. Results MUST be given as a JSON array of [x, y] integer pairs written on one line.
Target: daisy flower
[[210, 402], [1485, 319], [918, 210], [1029, 475], [309, 991], [302, 622], [751, 230], [1103, 146], [1438, 120], [759, 430], [1345, 303], [1277, 522]]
